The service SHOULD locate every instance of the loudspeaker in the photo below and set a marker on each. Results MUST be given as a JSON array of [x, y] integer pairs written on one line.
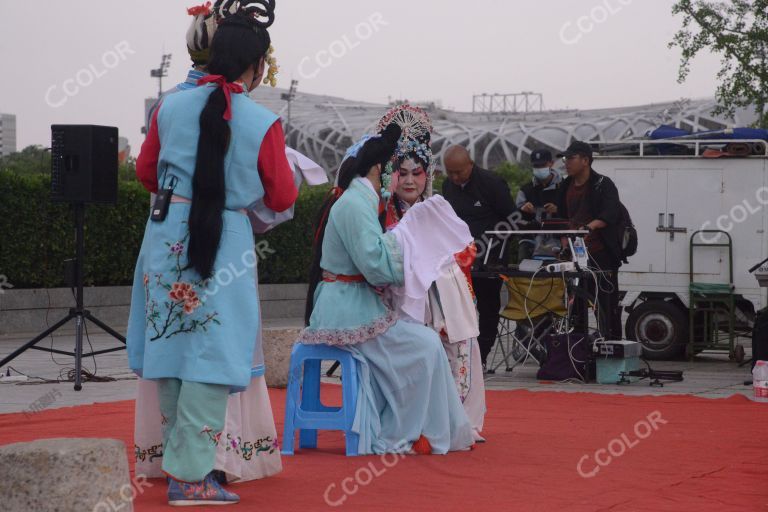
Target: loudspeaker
[[83, 164], [760, 337]]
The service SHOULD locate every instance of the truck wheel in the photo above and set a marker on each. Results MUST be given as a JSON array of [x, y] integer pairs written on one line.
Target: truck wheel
[[661, 327], [738, 353]]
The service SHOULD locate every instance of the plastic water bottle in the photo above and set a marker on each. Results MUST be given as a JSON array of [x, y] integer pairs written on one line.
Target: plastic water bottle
[[760, 381], [579, 250]]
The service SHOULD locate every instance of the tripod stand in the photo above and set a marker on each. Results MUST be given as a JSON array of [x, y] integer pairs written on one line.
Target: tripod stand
[[78, 313]]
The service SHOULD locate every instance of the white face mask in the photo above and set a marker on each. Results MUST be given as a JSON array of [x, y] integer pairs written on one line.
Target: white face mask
[[542, 173]]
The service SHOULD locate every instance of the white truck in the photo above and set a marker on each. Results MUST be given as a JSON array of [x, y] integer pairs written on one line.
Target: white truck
[[670, 197]]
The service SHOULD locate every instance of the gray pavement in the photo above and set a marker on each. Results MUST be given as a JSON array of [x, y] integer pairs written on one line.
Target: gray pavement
[[710, 375]]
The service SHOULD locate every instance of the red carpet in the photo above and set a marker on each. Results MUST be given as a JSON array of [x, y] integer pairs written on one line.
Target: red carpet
[[692, 455]]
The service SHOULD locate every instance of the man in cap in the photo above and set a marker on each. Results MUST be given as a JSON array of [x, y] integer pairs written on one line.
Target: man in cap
[[590, 201], [537, 200]]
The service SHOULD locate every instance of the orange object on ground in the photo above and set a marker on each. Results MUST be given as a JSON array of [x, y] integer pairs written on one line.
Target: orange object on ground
[[422, 446]]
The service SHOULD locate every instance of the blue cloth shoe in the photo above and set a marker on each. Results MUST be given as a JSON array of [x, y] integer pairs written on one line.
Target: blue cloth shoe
[[205, 492]]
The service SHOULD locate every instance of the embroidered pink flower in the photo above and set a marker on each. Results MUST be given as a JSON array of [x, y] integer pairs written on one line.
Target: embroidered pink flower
[[463, 370], [177, 248], [179, 291], [146, 279], [192, 303], [183, 293]]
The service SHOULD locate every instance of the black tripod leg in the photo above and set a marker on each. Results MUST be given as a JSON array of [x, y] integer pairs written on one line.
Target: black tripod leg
[[79, 352], [332, 369], [745, 362], [104, 326], [16, 353]]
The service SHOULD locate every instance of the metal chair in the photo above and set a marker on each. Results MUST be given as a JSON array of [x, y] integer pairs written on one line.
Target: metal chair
[[537, 308]]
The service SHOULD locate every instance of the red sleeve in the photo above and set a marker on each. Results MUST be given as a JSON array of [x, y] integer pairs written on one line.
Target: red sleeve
[[276, 175], [146, 163]]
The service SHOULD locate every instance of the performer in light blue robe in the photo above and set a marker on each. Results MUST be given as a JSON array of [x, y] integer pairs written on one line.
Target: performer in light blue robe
[[406, 389], [194, 318]]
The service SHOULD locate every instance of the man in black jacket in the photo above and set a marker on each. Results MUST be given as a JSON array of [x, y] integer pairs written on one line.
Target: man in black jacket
[[482, 199], [590, 201]]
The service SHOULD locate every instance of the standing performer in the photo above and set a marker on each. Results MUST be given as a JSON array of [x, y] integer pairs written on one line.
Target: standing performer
[[247, 449], [407, 398], [451, 308], [205, 21], [191, 332]]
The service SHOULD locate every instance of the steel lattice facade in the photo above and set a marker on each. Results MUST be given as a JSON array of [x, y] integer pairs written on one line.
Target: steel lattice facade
[[323, 127]]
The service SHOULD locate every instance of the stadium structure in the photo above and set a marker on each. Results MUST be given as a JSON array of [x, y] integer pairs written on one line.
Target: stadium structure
[[323, 127]]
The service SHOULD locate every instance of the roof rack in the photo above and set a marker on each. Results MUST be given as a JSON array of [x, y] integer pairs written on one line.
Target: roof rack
[[693, 147]]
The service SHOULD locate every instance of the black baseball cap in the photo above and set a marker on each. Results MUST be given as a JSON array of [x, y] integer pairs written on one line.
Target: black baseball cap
[[540, 157], [577, 148]]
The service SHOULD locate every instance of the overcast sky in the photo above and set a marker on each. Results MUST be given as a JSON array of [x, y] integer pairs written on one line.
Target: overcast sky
[[88, 61]]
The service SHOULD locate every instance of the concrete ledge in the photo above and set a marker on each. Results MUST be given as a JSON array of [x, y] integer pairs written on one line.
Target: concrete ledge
[[66, 474], [34, 310]]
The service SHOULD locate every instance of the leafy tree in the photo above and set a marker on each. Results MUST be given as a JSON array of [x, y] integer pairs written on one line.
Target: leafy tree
[[30, 160], [736, 30], [515, 175], [512, 172]]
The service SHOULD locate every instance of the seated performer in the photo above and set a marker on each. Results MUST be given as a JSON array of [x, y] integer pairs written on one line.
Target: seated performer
[[191, 334], [407, 400], [247, 447], [451, 310]]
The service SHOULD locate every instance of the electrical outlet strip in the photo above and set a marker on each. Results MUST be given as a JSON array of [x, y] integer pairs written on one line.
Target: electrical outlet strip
[[565, 266], [12, 378]]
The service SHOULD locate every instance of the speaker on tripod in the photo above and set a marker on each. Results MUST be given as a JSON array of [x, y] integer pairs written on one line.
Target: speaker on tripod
[[83, 170]]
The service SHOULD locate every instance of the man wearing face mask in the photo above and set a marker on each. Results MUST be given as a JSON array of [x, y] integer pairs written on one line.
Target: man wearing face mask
[[537, 200]]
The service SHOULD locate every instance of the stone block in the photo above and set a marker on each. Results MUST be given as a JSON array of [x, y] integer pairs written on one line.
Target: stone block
[[277, 355], [67, 475]]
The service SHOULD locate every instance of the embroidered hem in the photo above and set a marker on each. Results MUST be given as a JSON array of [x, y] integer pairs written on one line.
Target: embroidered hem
[[348, 336]]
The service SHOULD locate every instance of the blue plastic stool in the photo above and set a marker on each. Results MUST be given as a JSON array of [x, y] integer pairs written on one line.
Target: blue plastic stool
[[303, 409]]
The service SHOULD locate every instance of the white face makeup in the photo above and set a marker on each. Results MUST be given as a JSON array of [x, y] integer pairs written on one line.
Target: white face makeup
[[411, 181]]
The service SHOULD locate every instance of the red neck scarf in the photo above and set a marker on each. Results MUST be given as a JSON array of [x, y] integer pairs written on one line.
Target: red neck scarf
[[228, 88]]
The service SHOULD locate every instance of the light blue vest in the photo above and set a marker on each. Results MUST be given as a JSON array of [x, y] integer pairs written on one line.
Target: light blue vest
[[178, 140]]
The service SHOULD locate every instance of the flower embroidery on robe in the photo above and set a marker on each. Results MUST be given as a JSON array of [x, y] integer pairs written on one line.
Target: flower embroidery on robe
[[152, 452], [246, 449], [177, 313], [462, 376], [214, 437], [183, 293]]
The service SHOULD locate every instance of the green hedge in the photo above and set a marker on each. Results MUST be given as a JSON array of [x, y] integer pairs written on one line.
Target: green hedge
[[292, 241], [36, 236]]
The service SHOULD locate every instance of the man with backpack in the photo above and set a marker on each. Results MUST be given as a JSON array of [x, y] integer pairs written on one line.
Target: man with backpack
[[590, 201]]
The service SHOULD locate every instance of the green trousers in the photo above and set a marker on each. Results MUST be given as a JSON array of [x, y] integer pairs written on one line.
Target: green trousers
[[193, 418]]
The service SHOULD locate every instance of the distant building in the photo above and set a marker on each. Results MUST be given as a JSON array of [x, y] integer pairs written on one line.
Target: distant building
[[123, 150], [7, 134]]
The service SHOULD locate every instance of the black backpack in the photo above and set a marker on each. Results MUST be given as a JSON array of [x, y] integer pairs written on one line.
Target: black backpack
[[625, 228], [628, 234]]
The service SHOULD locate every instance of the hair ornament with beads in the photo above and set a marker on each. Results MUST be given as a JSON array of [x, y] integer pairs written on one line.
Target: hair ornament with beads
[[415, 134]]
